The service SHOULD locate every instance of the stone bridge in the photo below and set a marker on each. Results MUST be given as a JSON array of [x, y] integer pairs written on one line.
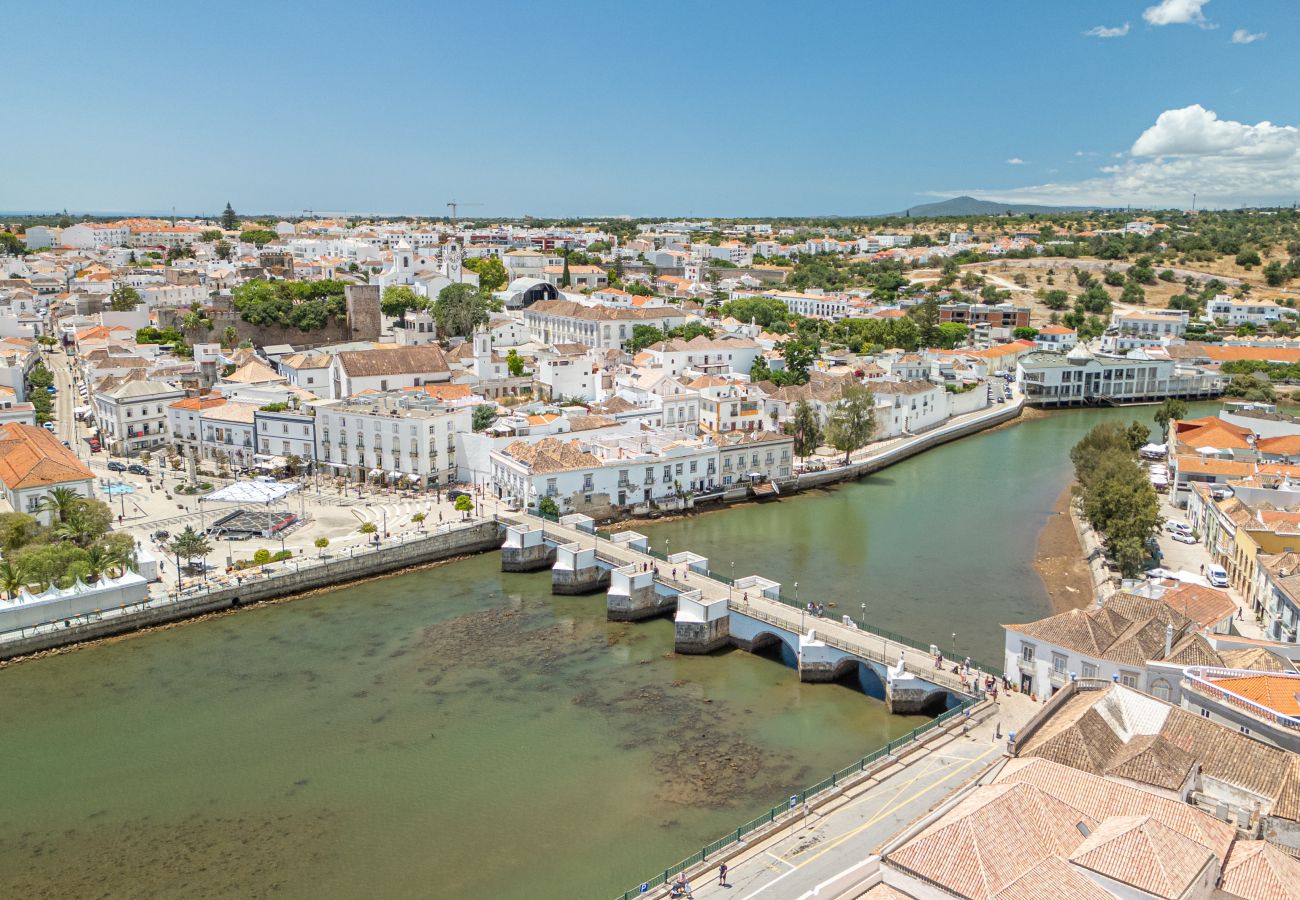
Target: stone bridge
[[710, 614]]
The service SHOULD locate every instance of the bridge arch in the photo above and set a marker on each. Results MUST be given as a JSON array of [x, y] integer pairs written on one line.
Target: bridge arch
[[863, 675], [777, 646]]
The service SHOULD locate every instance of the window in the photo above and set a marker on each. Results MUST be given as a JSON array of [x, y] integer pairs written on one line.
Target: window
[[1128, 679], [1027, 653], [1160, 689], [1089, 670], [1058, 663]]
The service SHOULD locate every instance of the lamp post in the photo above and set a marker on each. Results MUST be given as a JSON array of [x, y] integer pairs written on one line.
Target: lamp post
[[796, 603], [864, 617], [731, 588], [954, 645]]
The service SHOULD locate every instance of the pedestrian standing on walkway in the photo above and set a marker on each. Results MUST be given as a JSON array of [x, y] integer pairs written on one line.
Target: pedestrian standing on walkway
[[722, 875]]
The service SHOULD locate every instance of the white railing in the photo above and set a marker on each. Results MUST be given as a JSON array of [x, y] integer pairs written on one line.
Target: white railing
[[1198, 678]]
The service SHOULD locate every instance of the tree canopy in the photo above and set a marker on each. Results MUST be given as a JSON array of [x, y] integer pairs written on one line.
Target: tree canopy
[[460, 308], [305, 305]]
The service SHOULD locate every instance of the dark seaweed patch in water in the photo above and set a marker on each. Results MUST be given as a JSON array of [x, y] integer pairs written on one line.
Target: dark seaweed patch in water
[[251, 857]]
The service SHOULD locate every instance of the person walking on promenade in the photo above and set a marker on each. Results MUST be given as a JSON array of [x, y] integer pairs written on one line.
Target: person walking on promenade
[[722, 875]]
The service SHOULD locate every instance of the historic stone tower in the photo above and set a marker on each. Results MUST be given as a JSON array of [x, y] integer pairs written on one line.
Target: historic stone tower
[[364, 318]]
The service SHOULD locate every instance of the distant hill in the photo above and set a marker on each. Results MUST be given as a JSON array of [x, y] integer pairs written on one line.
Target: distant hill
[[958, 207]]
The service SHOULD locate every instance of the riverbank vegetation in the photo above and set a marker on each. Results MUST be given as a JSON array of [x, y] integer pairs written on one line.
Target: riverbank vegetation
[[1115, 493]]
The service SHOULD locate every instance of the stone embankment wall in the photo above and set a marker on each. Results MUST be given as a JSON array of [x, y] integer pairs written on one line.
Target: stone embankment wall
[[474, 539], [912, 446]]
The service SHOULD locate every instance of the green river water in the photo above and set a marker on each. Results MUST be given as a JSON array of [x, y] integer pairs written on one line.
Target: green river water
[[458, 732]]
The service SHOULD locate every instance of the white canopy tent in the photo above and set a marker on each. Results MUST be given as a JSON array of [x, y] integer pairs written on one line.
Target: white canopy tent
[[260, 493]]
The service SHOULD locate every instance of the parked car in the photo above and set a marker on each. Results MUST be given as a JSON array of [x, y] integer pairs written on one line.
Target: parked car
[[137, 469], [1185, 538], [454, 493], [1175, 527], [66, 444], [115, 466], [49, 426], [1218, 576], [51, 390]]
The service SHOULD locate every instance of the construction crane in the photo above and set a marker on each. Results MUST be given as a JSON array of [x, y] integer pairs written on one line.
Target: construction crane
[[455, 204]]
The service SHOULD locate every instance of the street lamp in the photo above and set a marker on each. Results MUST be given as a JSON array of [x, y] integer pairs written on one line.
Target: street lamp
[[796, 603], [731, 588], [954, 645], [864, 617]]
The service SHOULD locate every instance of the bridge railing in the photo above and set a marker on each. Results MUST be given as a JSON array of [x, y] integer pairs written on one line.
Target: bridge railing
[[788, 809]]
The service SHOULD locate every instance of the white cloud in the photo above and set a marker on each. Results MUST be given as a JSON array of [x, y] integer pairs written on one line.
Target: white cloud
[[1015, 161], [1226, 163], [1177, 12], [1102, 31], [1242, 36]]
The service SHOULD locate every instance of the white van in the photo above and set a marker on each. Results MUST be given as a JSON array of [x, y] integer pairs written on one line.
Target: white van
[[1218, 576]]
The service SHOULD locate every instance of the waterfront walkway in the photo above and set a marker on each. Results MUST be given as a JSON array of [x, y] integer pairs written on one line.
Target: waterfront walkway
[[821, 853], [679, 576]]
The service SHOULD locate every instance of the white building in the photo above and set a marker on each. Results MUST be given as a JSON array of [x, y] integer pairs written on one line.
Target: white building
[[282, 434], [403, 436], [354, 371], [1243, 312], [131, 413], [1081, 377], [33, 463], [604, 328]]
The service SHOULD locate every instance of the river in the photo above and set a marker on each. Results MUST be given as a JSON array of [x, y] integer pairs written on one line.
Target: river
[[457, 732]]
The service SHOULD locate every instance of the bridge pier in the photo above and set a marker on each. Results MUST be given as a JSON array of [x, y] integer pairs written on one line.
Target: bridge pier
[[700, 627], [576, 571], [526, 550], [906, 694], [633, 597]]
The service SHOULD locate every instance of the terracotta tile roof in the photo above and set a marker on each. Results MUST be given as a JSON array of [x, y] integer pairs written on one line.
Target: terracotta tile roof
[[32, 457], [445, 391], [1129, 629], [1221, 752], [1197, 465], [1277, 692], [1213, 436], [1256, 659], [1258, 870], [397, 361], [1203, 605], [551, 455], [1282, 445], [1004, 838], [1144, 853], [206, 401]]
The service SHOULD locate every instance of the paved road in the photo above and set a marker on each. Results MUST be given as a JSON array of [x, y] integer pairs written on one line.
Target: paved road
[[817, 850]]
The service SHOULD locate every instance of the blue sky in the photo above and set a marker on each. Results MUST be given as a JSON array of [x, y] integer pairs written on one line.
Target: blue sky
[[670, 108]]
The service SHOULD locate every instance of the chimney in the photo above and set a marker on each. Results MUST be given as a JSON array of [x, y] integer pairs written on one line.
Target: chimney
[[1169, 639]]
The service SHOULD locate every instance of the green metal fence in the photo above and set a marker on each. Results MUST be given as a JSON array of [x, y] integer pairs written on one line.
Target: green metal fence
[[795, 801]]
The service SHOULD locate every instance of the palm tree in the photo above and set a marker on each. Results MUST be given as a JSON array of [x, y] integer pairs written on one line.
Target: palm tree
[[97, 559], [418, 519], [321, 543], [120, 559], [60, 501], [13, 576], [189, 544]]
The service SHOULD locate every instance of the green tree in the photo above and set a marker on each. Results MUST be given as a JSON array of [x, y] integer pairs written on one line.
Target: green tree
[[514, 363], [1024, 333], [418, 520], [1248, 258], [222, 249], [460, 308], [368, 528], [13, 576], [1133, 293], [261, 557], [491, 272], [926, 315], [1138, 434], [852, 421], [805, 427], [764, 311], [1250, 387], [229, 221], [643, 336], [799, 355], [565, 280], [229, 337], [61, 503], [399, 299], [1276, 274], [16, 530], [759, 370], [1056, 299], [124, 298], [258, 236], [463, 505], [951, 335], [189, 545], [548, 507], [1169, 411], [210, 234], [49, 564], [483, 416]]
